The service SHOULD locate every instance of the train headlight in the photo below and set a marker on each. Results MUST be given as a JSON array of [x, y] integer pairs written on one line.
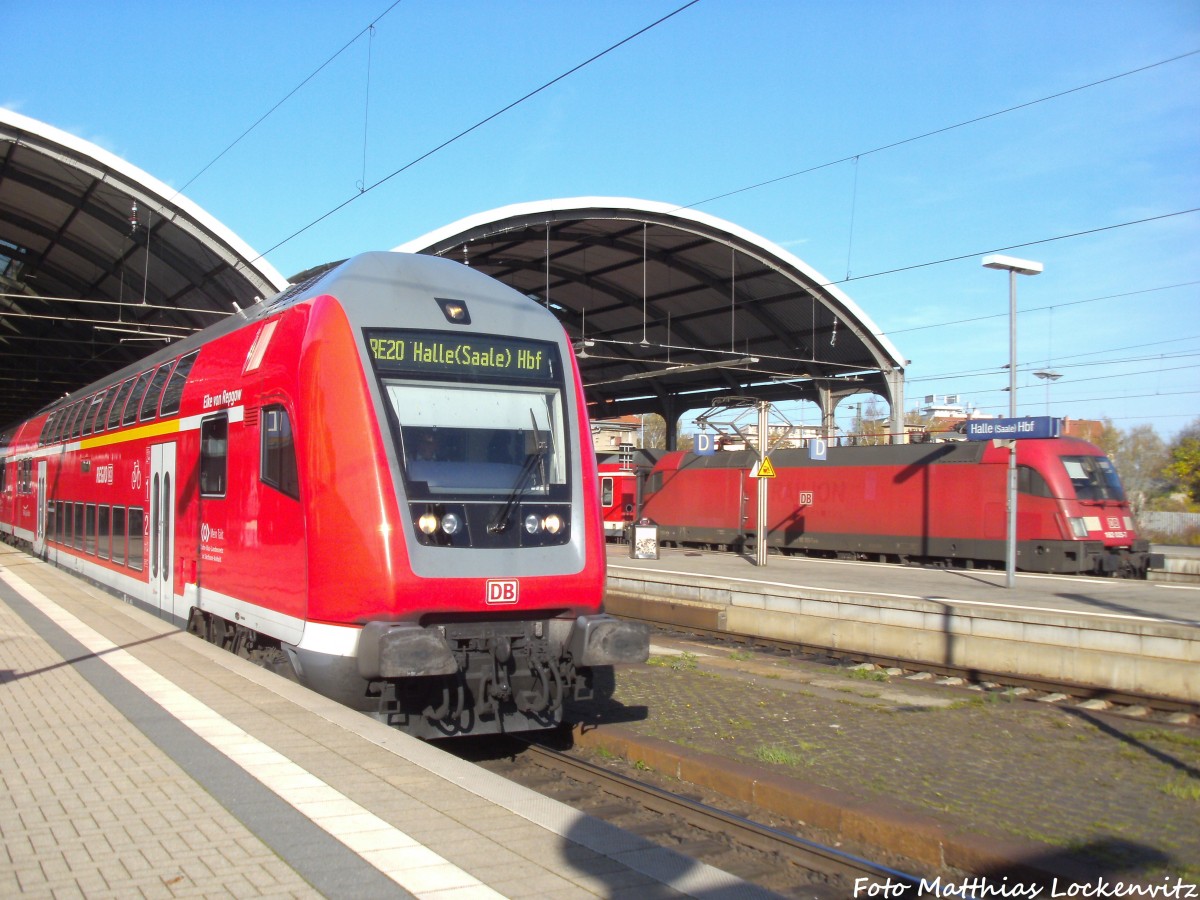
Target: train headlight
[[552, 523], [451, 523], [1078, 527], [533, 524], [428, 523]]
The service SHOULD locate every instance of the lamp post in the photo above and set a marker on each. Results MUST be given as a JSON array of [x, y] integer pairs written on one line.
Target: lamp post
[[1048, 376], [1014, 267]]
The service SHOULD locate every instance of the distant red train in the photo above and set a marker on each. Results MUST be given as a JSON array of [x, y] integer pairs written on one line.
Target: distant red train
[[379, 482], [941, 502]]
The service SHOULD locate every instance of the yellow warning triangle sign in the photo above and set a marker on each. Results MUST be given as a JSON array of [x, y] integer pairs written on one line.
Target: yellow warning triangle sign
[[765, 470]]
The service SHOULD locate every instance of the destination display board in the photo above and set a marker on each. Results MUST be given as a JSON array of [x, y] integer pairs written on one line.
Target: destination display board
[[405, 352], [1013, 429]]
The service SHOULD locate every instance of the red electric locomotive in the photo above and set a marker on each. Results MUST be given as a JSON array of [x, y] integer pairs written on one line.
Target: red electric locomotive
[[921, 502], [379, 482]]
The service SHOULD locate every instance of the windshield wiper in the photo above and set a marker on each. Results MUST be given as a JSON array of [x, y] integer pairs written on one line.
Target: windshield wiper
[[537, 455]]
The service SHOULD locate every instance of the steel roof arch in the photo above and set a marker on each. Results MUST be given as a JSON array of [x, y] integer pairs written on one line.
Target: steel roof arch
[[543, 246]]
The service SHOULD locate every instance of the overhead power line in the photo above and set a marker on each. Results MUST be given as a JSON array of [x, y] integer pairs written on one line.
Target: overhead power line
[[943, 130], [366, 30], [446, 143]]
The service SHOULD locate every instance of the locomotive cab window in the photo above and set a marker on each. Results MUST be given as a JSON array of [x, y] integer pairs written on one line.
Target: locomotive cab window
[[214, 456], [1094, 478], [278, 462]]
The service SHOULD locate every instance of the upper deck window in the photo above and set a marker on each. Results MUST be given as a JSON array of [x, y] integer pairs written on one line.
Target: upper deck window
[[118, 404], [150, 401], [131, 408], [173, 393]]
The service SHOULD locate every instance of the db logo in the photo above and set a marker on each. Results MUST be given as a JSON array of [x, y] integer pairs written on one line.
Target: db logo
[[502, 591]]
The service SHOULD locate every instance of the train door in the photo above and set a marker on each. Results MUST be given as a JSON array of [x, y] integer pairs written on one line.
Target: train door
[[39, 534], [162, 526]]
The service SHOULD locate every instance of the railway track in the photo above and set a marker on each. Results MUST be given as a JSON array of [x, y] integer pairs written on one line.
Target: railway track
[[768, 856], [1025, 687]]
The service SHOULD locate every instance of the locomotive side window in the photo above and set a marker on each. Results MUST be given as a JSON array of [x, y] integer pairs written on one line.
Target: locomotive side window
[[137, 538], [131, 408], [150, 401], [606, 492], [1094, 478], [278, 463], [173, 392], [1030, 481], [118, 404], [214, 456]]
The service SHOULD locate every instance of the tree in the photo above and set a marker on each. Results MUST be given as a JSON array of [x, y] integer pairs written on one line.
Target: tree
[[1183, 464], [1140, 456]]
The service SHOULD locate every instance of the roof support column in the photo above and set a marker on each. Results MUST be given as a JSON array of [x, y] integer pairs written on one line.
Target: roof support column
[[670, 418], [828, 404], [895, 381]]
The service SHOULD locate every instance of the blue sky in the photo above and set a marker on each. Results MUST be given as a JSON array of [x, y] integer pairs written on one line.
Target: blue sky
[[725, 95]]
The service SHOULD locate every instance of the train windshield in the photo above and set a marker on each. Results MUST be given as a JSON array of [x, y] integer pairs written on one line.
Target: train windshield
[[458, 439], [1094, 478]]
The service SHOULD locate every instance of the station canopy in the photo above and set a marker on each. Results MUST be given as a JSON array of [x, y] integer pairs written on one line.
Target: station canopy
[[669, 309], [100, 265]]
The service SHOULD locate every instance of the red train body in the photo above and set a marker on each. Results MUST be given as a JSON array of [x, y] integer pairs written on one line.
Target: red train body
[[922, 502], [618, 497], [378, 482]]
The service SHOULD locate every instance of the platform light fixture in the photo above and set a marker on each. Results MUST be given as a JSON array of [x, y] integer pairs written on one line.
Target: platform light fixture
[[1014, 267]]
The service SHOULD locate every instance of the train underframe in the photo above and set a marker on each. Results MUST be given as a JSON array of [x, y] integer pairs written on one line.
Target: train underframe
[[455, 678], [1051, 557]]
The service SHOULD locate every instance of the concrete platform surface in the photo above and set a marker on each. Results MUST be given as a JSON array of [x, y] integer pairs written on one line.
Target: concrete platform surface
[[140, 761]]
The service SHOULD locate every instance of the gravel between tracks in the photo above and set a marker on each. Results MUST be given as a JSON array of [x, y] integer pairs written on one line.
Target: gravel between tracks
[[1080, 792]]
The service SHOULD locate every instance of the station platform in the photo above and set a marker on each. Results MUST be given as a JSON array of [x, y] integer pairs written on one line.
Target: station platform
[[1118, 634], [140, 761]]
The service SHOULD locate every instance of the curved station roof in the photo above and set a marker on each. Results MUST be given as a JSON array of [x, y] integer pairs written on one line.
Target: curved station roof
[[100, 264], [670, 309]]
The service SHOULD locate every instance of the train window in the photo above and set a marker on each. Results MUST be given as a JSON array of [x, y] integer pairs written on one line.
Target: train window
[[118, 534], [606, 492], [89, 421], [150, 401], [173, 393], [77, 417], [137, 539], [118, 404], [102, 532], [50, 521], [1030, 481], [78, 531], [214, 455], [48, 429], [1094, 478], [89, 529], [60, 523], [278, 464], [131, 408], [479, 439]]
